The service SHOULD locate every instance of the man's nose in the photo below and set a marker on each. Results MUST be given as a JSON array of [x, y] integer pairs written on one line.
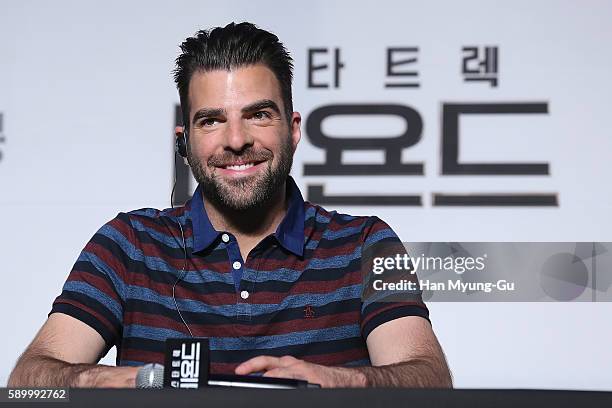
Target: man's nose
[[237, 137]]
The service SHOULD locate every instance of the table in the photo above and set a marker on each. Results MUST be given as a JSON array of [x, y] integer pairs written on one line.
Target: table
[[323, 398]]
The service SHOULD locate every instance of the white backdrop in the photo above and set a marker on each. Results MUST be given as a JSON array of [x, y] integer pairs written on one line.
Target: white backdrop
[[87, 105]]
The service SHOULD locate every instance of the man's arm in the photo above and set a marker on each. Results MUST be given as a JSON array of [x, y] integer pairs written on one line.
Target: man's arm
[[63, 354], [404, 353]]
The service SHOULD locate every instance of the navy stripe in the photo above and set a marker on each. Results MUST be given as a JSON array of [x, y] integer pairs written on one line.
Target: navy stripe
[[200, 317], [237, 356]]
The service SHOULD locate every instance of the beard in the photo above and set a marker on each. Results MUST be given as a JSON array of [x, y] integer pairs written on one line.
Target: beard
[[248, 192]]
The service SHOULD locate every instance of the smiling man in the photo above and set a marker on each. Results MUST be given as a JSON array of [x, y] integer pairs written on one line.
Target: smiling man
[[240, 147], [277, 284]]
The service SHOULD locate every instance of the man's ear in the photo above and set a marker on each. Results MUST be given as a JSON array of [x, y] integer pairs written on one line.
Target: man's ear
[[295, 130], [181, 143], [178, 131]]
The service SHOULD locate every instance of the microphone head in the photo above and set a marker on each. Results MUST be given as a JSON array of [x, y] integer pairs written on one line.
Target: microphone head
[[150, 376]]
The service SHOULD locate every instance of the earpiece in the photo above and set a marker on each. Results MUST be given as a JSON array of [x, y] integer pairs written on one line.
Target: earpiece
[[180, 145]]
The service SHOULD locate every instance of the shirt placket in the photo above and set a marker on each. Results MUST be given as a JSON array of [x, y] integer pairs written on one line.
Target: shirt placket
[[243, 277]]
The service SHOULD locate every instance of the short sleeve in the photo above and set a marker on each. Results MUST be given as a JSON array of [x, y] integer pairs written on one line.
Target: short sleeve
[[95, 290], [390, 285]]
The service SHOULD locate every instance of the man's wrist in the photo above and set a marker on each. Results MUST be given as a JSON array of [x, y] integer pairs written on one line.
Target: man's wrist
[[82, 375], [352, 378], [360, 378]]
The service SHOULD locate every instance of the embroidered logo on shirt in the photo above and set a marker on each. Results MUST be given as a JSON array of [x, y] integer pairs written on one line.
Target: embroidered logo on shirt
[[309, 312]]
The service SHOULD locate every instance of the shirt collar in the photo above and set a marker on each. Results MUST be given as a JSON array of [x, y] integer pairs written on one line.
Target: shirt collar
[[289, 234], [203, 232]]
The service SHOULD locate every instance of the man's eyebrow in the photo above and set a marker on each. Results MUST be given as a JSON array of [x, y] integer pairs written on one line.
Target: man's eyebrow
[[207, 112], [262, 104]]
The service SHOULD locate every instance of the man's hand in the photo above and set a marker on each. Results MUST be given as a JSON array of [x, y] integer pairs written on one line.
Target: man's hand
[[291, 367]]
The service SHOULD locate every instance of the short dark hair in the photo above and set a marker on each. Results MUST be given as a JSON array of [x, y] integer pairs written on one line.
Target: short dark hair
[[229, 47]]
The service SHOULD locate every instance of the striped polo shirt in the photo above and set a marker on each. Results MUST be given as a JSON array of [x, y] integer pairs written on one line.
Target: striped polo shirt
[[299, 292]]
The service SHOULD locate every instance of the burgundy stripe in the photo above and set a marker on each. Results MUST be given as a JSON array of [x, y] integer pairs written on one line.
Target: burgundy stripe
[[97, 282], [339, 358], [142, 355], [165, 289], [107, 257]]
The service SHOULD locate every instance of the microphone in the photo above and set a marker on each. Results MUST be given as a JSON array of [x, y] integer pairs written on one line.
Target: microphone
[[150, 376]]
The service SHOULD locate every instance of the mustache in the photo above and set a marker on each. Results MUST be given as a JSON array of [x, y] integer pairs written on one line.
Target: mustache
[[249, 155]]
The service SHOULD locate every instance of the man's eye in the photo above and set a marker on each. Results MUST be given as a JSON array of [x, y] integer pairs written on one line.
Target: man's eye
[[208, 122], [261, 115]]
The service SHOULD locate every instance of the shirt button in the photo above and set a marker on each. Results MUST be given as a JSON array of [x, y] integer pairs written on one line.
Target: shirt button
[[225, 238], [244, 294], [236, 265]]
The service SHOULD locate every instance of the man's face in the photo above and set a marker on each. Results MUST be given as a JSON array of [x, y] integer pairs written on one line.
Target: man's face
[[240, 143]]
